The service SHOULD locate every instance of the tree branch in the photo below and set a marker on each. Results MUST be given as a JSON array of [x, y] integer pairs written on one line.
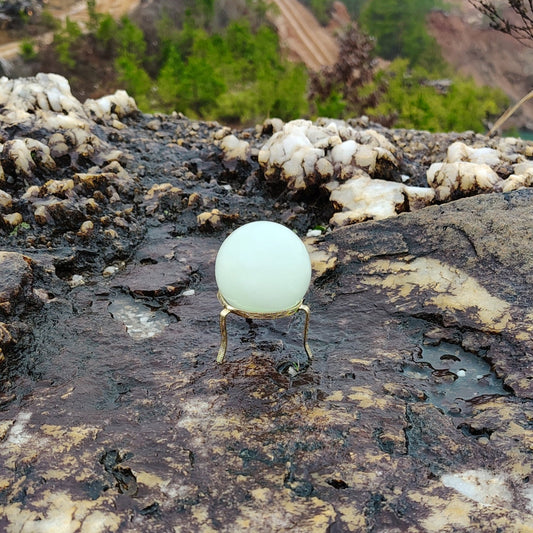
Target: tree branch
[[519, 22]]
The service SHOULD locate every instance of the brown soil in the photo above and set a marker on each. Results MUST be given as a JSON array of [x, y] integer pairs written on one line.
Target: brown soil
[[78, 10], [489, 57], [305, 39]]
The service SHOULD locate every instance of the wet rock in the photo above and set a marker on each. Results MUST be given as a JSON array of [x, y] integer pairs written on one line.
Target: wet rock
[[21, 157], [369, 177], [234, 148], [416, 406], [46, 93], [16, 277], [459, 151], [16, 298], [214, 220], [58, 168], [195, 200], [351, 441], [88, 183], [270, 126], [323, 257], [6, 339], [86, 229], [60, 188], [467, 170], [42, 216], [487, 305], [6, 200], [293, 154], [363, 198], [120, 179], [110, 271], [118, 105], [156, 279], [13, 219], [451, 180], [521, 177], [76, 281], [163, 197]]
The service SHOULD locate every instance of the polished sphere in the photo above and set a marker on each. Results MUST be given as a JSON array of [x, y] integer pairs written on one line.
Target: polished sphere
[[263, 267]]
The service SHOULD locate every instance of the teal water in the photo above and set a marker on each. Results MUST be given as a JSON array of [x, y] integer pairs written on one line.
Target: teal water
[[527, 135]]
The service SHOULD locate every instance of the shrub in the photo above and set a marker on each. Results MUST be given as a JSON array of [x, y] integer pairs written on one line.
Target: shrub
[[49, 21], [27, 50], [412, 101]]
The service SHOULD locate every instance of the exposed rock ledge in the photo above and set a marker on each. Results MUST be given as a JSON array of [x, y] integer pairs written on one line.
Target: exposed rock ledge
[[416, 413]]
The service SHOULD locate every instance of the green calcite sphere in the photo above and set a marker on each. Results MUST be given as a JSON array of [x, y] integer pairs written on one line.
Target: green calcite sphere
[[263, 267]]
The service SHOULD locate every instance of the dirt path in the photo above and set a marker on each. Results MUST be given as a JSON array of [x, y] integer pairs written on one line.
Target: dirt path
[[78, 11], [75, 11], [9, 50], [306, 39]]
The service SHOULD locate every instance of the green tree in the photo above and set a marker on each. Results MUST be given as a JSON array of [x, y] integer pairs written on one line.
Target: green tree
[[168, 81], [135, 79], [168, 36], [236, 76], [49, 21], [200, 85], [354, 7], [65, 40], [399, 27], [206, 9], [332, 105], [131, 49], [106, 34], [468, 106], [94, 17], [322, 8], [130, 39], [262, 83], [191, 85]]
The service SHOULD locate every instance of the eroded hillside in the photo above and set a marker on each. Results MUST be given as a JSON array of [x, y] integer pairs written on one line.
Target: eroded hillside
[[490, 57]]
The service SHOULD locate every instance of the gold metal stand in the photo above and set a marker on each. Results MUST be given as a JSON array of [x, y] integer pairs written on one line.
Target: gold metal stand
[[227, 309]]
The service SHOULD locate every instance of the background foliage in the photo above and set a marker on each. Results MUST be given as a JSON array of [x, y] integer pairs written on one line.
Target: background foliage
[[412, 101], [400, 31], [220, 60]]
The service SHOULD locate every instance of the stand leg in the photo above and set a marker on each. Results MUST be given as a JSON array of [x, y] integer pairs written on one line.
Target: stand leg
[[223, 335], [307, 312]]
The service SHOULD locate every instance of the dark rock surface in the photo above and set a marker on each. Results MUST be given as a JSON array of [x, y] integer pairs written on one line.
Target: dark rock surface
[[415, 415]]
